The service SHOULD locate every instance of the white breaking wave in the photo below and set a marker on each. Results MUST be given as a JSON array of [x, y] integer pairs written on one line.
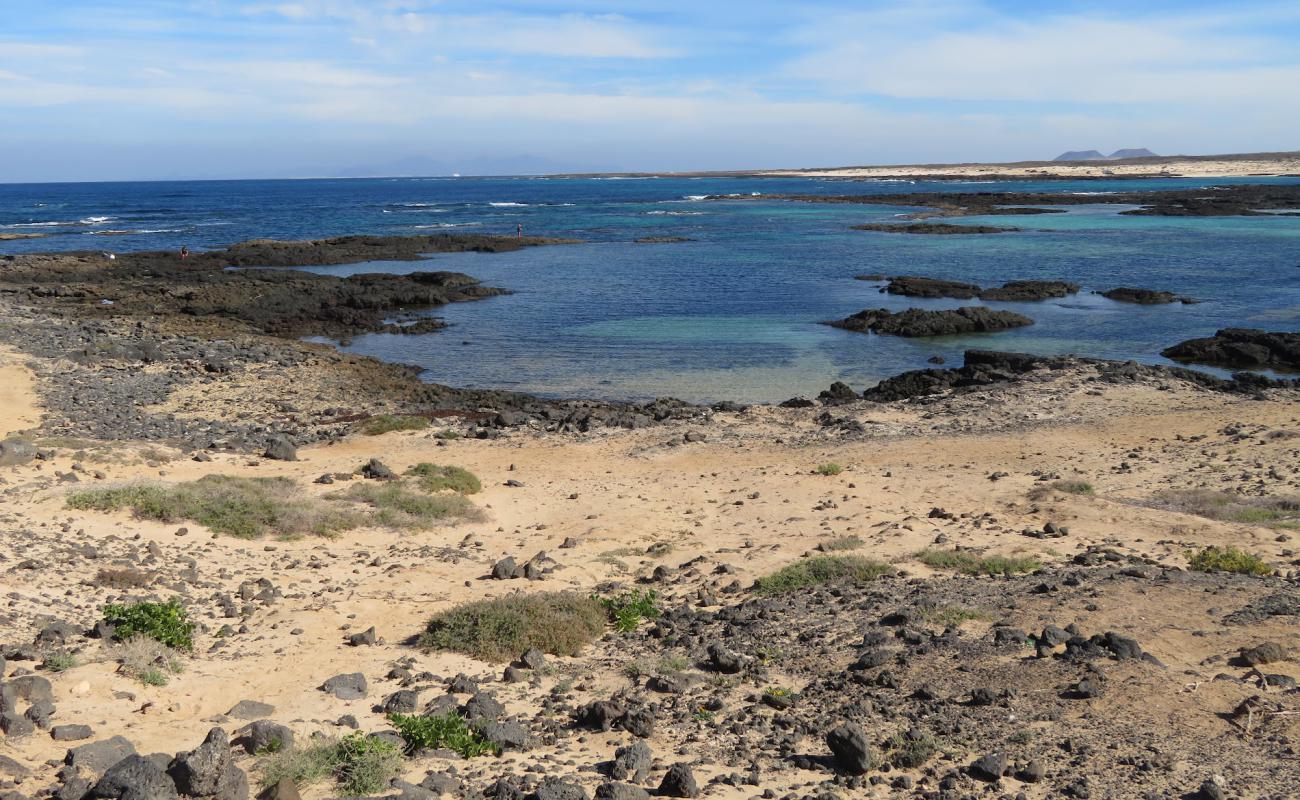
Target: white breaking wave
[[447, 225], [96, 220], [508, 205], [676, 213]]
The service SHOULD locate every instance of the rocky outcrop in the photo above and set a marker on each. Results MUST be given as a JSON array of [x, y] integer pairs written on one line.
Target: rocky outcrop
[[916, 322], [1241, 348], [933, 228], [1143, 297], [987, 368], [1012, 291]]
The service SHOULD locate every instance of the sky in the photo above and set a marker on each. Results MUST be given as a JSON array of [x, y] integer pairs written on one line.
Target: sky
[[150, 89]]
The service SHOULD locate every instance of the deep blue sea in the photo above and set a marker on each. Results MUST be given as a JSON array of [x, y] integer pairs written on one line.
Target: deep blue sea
[[731, 315]]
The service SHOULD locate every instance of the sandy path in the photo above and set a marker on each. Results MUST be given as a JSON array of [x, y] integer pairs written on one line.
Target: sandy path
[[19, 405]]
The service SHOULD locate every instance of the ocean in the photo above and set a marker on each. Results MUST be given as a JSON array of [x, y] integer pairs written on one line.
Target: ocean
[[733, 314]]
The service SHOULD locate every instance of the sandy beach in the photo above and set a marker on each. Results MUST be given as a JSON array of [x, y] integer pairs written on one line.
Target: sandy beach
[[697, 511]]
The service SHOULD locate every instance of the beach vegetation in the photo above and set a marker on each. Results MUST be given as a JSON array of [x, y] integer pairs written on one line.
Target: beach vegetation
[[166, 623], [244, 507], [629, 609], [1271, 512], [435, 478], [559, 623], [394, 505], [388, 423], [448, 731], [361, 765], [828, 469], [969, 563], [1227, 559], [820, 570]]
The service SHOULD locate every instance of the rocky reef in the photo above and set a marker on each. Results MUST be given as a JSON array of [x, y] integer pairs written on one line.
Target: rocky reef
[[1012, 291], [1241, 348], [916, 322]]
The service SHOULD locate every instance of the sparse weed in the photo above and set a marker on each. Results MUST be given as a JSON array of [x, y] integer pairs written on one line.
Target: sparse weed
[[1269, 512], [147, 660], [828, 469], [60, 661], [840, 543], [395, 506]]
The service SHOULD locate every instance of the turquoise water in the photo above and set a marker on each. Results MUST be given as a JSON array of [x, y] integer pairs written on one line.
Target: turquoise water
[[731, 315]]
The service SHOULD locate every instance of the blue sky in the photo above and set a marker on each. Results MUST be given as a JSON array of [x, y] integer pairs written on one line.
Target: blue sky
[[281, 88]]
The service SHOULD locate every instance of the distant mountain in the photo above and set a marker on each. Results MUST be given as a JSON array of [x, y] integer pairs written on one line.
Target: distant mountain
[[1080, 155], [1133, 152]]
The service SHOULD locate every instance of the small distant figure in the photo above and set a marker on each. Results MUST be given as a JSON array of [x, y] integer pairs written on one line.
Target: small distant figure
[[111, 256], [519, 229], [185, 252]]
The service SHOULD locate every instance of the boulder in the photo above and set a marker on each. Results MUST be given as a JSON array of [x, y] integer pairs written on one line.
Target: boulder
[[135, 778], [852, 750]]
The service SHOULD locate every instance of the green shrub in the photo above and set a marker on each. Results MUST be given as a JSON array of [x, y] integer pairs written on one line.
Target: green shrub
[[820, 570], [244, 507], [560, 623], [1228, 559], [434, 478], [911, 750], [449, 731], [167, 623], [829, 468], [969, 563], [395, 506], [362, 765], [627, 610], [387, 423], [147, 660]]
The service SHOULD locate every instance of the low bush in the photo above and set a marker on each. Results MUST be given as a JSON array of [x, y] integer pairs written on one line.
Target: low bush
[[362, 765], [821, 570], [393, 505], [435, 478], [559, 623], [1227, 559], [829, 468], [840, 543], [969, 563], [244, 507], [449, 731], [387, 423], [167, 623], [60, 662], [1273, 512], [912, 749], [147, 660]]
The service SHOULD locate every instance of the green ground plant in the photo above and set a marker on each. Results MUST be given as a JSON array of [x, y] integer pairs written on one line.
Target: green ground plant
[[1227, 559], [167, 623], [829, 468], [449, 731], [628, 610]]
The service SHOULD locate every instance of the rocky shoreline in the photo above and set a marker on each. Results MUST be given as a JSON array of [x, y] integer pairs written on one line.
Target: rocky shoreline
[[1220, 201]]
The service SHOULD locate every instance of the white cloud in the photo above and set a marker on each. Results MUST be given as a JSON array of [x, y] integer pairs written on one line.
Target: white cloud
[[1061, 59]]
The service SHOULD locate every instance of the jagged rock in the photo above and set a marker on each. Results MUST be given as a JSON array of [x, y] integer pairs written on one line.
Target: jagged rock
[[552, 788], [851, 748], [989, 767], [281, 449], [348, 686], [632, 763], [679, 781], [135, 778], [99, 756], [265, 736]]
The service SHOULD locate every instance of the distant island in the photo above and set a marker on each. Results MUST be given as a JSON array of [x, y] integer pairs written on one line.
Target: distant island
[[1094, 155]]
